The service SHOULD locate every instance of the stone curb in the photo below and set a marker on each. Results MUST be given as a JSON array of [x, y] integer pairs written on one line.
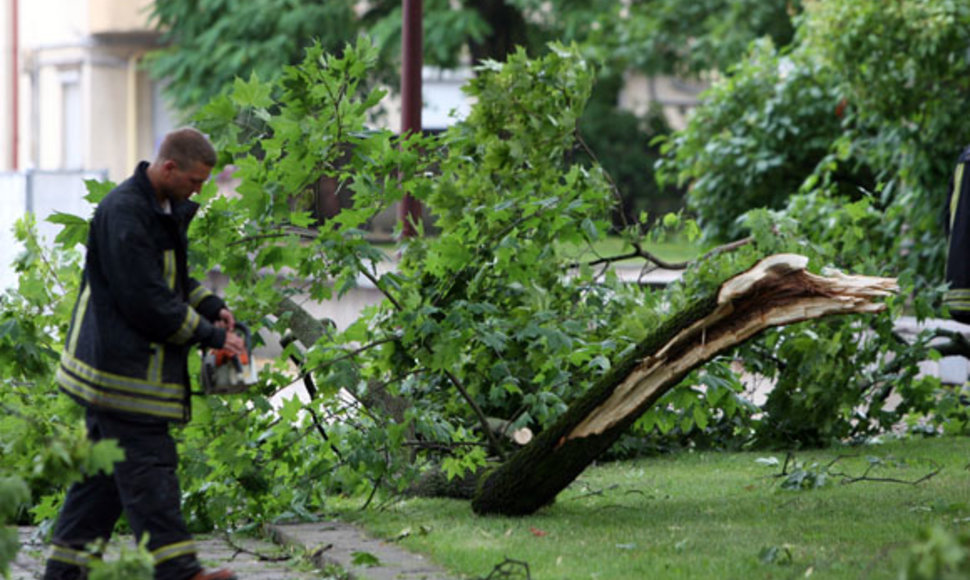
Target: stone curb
[[325, 543], [329, 543]]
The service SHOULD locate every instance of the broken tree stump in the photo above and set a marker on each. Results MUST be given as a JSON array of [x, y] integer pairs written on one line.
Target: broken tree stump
[[776, 291]]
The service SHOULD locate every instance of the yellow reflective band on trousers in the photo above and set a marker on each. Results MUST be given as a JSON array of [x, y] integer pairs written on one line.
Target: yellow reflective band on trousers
[[173, 551], [150, 396], [957, 299], [69, 556], [116, 401]]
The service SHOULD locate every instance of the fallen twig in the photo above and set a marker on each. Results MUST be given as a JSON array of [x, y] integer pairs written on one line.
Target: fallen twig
[[596, 492], [510, 569], [261, 557]]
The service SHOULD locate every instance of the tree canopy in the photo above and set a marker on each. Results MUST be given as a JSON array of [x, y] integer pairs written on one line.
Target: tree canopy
[[843, 114], [209, 44]]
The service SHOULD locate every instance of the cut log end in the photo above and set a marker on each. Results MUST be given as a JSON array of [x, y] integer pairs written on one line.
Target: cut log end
[[522, 436]]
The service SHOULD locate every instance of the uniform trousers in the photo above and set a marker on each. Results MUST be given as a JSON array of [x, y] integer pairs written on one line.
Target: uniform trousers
[[144, 486]]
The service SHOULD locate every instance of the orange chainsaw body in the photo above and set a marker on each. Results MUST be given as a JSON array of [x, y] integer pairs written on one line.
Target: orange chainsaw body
[[224, 373]]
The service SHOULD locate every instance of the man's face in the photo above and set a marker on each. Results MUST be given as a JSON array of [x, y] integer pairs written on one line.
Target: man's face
[[181, 184]]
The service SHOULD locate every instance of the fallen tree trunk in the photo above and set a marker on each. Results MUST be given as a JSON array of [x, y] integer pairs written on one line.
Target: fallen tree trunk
[[307, 329], [776, 291]]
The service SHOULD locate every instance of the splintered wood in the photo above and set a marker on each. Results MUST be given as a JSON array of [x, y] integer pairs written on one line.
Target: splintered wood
[[776, 291]]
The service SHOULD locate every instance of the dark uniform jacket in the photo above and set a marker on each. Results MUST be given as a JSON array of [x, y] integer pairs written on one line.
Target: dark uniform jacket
[[138, 313], [957, 298]]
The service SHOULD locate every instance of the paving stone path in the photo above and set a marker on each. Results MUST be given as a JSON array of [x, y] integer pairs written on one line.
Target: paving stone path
[[324, 544]]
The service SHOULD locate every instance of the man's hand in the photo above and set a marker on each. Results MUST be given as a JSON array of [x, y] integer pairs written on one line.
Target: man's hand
[[226, 320], [234, 344]]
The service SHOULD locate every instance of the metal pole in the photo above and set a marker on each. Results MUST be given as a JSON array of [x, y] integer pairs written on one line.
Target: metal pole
[[412, 57], [15, 86]]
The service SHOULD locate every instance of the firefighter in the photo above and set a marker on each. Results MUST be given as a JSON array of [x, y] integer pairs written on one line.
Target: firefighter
[[957, 297], [137, 316]]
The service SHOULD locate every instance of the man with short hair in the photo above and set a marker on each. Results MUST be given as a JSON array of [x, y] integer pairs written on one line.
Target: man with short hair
[[136, 319]]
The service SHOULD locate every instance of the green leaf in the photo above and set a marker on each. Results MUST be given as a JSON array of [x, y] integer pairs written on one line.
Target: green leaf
[[779, 555], [97, 190], [66, 219], [74, 232], [14, 494], [252, 93], [365, 559], [9, 546], [221, 108], [103, 456]]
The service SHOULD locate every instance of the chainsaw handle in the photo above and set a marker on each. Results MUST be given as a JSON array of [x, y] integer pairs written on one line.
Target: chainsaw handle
[[247, 336], [226, 373]]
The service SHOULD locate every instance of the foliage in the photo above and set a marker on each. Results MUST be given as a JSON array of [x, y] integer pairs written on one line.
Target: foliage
[[131, 564], [829, 378], [478, 319], [489, 318], [758, 135], [695, 39], [869, 96], [904, 115], [874, 114], [14, 494], [938, 554], [209, 44], [212, 43], [42, 442], [623, 144]]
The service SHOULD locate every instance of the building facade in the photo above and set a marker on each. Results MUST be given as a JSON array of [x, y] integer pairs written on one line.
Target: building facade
[[77, 97], [76, 102]]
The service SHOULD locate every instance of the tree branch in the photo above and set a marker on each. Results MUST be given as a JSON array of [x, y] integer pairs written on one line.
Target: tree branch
[[639, 252], [482, 419]]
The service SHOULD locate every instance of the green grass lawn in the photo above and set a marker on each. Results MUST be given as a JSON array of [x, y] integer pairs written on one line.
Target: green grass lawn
[[704, 515]]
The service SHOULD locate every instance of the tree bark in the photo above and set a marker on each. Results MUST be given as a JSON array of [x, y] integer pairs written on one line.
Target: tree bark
[[308, 330], [776, 291]]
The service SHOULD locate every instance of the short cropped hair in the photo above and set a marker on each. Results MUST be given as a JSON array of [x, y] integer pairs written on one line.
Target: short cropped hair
[[185, 146]]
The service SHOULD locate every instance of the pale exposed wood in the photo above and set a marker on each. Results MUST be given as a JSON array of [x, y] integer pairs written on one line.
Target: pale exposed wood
[[776, 291], [503, 428]]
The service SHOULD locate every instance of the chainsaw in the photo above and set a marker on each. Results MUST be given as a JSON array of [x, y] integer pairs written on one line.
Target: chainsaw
[[224, 373]]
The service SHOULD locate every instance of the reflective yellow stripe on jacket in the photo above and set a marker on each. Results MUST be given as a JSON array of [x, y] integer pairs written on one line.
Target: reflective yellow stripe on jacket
[[150, 395], [119, 402], [955, 199], [198, 295], [187, 330], [168, 260]]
